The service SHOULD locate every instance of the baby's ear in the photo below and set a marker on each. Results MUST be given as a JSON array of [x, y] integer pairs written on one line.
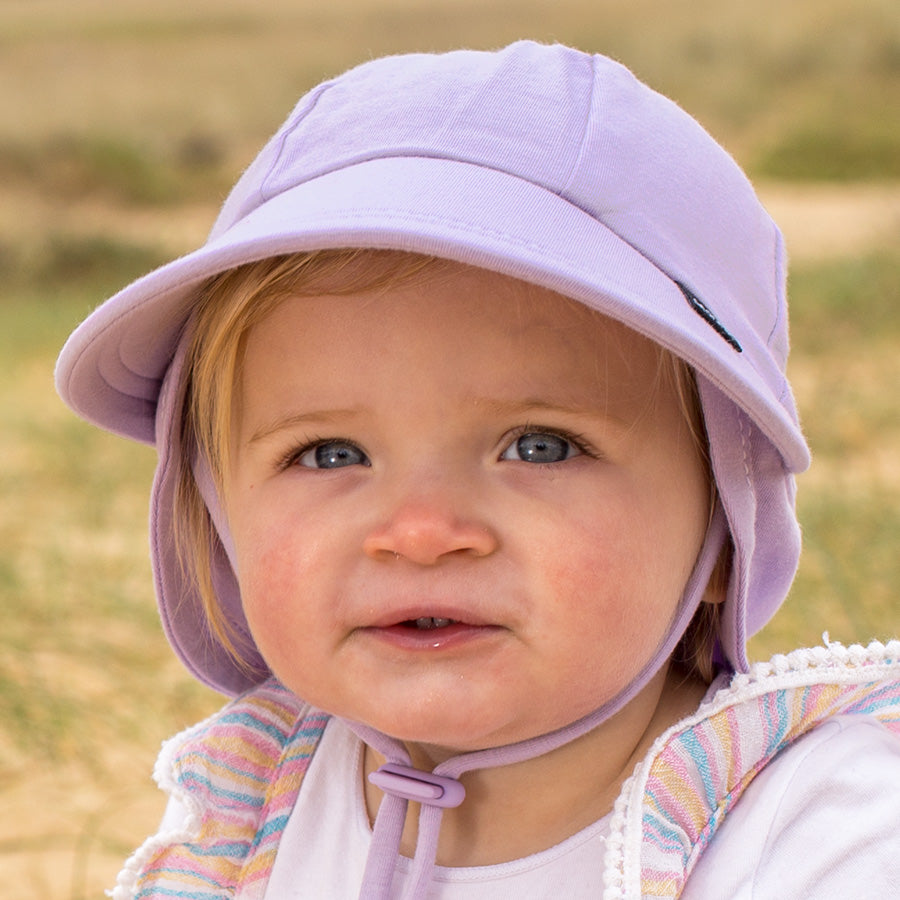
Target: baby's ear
[[714, 595], [717, 586]]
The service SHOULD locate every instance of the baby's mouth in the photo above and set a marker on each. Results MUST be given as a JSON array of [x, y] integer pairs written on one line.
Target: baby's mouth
[[431, 634]]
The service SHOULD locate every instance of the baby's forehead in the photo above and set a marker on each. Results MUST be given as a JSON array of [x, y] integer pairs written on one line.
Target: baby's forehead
[[376, 278], [443, 324], [372, 284]]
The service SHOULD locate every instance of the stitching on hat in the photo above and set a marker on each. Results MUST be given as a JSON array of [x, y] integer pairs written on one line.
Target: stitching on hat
[[298, 117], [784, 393], [463, 225], [583, 141], [780, 299], [745, 447], [708, 316]]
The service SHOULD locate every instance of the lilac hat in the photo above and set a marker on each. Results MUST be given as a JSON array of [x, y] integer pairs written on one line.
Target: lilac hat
[[539, 162]]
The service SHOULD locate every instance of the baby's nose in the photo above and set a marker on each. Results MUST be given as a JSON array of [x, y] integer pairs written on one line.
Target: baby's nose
[[427, 532]]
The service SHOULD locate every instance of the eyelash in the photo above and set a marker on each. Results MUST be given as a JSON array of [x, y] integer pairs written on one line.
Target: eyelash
[[579, 441], [291, 457]]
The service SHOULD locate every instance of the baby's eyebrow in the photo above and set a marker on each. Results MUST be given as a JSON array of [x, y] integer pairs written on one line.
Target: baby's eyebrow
[[312, 417], [528, 406]]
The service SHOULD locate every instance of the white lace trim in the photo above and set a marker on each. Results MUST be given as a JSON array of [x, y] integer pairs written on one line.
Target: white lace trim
[[832, 663], [163, 775]]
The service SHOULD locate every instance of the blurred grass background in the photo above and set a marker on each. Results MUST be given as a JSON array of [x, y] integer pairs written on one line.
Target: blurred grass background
[[122, 125]]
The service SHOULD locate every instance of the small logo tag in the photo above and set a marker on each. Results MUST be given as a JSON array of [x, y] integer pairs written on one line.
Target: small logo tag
[[708, 316]]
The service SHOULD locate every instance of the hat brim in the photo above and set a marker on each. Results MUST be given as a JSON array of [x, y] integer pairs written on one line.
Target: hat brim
[[111, 368]]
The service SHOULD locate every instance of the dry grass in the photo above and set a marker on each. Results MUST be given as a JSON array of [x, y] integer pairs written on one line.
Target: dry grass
[[164, 74], [130, 119]]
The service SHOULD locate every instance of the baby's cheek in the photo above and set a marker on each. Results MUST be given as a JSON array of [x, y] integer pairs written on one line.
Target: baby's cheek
[[607, 589], [284, 636], [270, 557], [588, 561], [270, 593]]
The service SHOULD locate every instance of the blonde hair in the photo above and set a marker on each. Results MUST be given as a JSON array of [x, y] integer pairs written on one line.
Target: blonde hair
[[228, 305]]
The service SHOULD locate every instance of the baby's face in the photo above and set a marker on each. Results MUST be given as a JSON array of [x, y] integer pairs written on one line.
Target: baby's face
[[464, 509]]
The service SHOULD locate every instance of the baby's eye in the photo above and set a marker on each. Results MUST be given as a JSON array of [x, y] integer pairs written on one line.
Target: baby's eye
[[541, 447], [332, 455]]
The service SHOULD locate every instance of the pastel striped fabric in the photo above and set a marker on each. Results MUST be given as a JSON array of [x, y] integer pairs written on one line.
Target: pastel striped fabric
[[702, 770], [244, 768]]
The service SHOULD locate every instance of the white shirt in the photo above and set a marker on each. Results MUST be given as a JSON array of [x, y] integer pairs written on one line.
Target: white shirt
[[324, 847]]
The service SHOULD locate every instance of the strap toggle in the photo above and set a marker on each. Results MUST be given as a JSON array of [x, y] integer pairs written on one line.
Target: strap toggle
[[422, 787]]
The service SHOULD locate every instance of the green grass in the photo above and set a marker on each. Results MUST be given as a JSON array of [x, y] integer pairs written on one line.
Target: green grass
[[51, 277], [79, 623], [832, 151], [845, 304], [117, 169]]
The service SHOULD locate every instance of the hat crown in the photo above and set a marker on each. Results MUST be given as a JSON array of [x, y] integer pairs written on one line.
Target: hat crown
[[581, 127], [523, 110]]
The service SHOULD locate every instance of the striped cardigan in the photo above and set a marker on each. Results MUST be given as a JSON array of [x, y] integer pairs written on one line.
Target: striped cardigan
[[239, 773]]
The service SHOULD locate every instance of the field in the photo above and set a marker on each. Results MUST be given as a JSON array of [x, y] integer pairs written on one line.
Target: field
[[123, 124]]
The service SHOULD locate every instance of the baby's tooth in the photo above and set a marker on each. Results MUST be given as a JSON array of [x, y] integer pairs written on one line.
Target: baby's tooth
[[429, 622]]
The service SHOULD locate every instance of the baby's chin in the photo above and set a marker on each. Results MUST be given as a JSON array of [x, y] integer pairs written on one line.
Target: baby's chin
[[433, 746], [460, 732], [427, 754]]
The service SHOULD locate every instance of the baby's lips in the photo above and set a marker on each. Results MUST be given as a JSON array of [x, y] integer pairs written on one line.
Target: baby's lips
[[428, 614]]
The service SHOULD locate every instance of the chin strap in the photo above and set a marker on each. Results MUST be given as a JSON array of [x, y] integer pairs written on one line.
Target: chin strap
[[439, 790], [400, 784]]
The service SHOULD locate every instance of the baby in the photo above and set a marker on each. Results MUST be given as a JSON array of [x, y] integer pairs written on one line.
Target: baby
[[476, 461]]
